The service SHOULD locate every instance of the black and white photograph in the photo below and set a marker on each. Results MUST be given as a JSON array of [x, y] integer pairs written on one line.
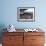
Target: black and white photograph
[[26, 14]]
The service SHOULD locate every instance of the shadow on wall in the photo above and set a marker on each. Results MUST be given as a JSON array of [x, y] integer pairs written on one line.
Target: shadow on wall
[[2, 26]]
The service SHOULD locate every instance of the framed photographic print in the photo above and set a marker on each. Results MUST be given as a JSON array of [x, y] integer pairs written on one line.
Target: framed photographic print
[[26, 14]]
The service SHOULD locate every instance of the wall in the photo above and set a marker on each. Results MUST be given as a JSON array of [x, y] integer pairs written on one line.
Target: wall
[[9, 13]]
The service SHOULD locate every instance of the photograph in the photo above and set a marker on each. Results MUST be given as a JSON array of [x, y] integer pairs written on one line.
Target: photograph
[[26, 14]]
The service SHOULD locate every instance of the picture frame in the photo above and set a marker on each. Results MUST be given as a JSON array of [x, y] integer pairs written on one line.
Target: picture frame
[[26, 14]]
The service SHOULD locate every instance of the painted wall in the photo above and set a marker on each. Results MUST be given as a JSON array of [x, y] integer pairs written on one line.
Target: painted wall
[[8, 13]]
